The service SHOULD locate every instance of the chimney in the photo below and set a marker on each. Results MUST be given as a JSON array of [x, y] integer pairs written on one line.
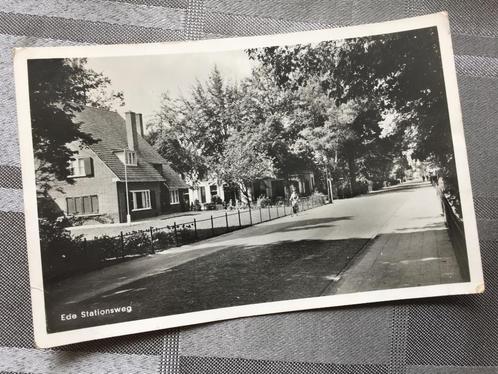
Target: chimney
[[140, 123], [131, 131]]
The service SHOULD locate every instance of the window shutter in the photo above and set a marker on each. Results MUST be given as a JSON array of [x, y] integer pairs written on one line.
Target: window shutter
[[79, 205], [95, 204], [87, 205], [71, 208], [88, 167], [152, 199], [132, 204]]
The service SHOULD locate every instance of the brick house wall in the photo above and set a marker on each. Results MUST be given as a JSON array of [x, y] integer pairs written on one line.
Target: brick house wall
[[111, 193], [98, 193], [155, 195], [101, 183]]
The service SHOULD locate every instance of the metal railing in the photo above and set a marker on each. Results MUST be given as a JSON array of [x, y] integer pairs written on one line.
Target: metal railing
[[228, 221]]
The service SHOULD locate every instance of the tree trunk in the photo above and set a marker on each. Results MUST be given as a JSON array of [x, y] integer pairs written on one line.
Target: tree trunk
[[286, 187], [352, 174], [328, 184], [245, 196]]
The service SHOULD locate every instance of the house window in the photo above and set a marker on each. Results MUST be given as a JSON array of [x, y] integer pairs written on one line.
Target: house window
[[82, 205], [174, 197], [213, 189], [141, 200], [81, 167], [130, 158]]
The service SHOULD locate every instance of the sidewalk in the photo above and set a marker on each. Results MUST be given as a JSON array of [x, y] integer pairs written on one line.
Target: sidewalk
[[113, 229], [203, 219], [413, 249]]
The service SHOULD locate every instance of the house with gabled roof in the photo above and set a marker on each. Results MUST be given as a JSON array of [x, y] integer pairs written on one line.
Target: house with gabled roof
[[120, 161]]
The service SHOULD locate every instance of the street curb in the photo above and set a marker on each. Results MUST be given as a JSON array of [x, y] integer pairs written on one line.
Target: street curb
[[335, 284]]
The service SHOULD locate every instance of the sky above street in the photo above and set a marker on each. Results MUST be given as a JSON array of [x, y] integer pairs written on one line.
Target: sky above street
[[144, 78]]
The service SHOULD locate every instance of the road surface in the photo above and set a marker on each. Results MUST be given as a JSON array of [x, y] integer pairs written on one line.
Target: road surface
[[393, 238]]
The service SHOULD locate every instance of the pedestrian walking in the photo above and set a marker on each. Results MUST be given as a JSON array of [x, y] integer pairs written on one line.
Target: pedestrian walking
[[294, 200], [440, 191]]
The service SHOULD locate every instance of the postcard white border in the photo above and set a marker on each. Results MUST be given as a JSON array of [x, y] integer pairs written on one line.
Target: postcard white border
[[45, 340]]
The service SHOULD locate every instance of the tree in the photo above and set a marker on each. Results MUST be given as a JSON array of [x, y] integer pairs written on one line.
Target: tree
[[170, 136], [399, 72], [196, 127], [105, 98], [244, 162], [59, 88], [210, 114], [276, 116]]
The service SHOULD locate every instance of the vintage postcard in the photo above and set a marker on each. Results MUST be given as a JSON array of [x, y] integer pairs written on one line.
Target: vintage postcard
[[182, 183]]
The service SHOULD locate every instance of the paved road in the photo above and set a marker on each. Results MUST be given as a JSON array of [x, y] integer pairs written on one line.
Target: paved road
[[292, 257]]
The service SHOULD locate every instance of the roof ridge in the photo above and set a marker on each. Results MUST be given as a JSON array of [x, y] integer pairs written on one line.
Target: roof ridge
[[110, 128], [99, 108]]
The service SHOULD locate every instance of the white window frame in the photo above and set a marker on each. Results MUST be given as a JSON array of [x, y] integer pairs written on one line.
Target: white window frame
[[75, 165], [133, 158], [145, 200], [174, 193]]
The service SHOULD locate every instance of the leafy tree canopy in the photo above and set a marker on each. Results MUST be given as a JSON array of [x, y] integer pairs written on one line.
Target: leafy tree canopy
[[196, 127], [244, 161], [351, 108], [58, 88], [400, 71], [397, 73]]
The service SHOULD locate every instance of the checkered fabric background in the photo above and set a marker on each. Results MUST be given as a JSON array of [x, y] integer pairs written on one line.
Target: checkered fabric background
[[453, 335]]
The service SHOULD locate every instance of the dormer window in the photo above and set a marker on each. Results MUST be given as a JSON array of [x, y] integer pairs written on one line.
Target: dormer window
[[130, 158]]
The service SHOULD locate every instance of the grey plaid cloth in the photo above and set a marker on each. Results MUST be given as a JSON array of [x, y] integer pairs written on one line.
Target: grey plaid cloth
[[452, 335]]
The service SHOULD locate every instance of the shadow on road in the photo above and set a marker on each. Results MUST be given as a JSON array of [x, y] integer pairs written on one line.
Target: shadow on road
[[237, 275], [290, 224]]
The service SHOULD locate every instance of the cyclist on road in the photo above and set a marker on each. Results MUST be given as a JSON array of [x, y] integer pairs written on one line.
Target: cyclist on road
[[294, 200]]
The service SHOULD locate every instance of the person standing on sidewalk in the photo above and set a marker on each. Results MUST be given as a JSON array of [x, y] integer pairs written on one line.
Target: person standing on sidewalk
[[294, 200]]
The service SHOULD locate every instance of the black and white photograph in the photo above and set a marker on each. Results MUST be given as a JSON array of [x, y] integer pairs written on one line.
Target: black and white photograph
[[174, 184]]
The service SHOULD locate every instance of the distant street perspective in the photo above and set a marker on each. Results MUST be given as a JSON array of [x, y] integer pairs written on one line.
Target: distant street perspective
[[396, 237]]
